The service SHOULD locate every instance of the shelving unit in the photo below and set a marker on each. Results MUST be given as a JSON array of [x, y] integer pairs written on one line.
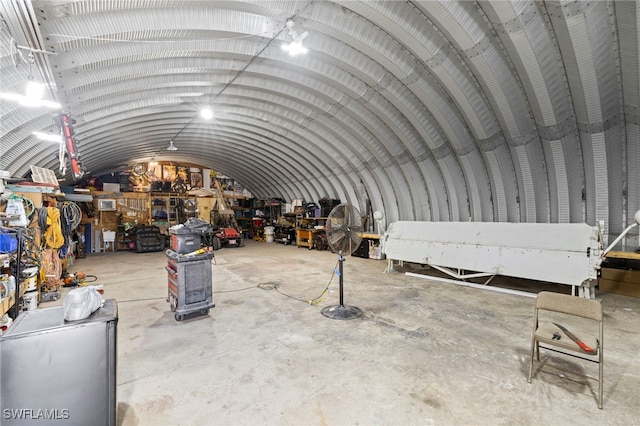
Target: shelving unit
[[164, 208], [12, 263], [270, 210]]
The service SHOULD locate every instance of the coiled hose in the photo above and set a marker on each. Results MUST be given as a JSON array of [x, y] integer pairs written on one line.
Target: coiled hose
[[53, 237]]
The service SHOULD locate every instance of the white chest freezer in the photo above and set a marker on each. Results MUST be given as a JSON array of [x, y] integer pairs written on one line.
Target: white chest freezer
[[58, 372]]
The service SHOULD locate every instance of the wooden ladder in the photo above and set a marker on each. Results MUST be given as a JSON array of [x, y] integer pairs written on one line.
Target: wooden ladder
[[223, 207]]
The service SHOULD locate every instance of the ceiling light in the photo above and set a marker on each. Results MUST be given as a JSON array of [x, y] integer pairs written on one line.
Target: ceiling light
[[206, 113], [49, 137], [32, 98], [34, 91], [295, 47], [171, 147]]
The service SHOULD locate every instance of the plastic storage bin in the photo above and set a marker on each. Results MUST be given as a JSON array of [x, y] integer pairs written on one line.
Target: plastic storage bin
[[185, 243], [183, 240], [8, 243]]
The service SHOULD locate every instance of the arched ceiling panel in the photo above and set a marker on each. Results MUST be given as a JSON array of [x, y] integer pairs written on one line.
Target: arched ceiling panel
[[455, 110], [628, 16]]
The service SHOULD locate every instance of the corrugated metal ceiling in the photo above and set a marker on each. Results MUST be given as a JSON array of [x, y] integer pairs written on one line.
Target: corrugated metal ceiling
[[459, 110]]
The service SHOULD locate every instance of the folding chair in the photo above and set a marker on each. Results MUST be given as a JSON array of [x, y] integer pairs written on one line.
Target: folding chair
[[557, 336]]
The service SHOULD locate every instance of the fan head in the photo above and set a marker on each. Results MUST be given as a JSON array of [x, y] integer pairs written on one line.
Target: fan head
[[344, 228]]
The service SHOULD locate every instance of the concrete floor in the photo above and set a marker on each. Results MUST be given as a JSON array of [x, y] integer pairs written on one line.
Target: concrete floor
[[423, 353]]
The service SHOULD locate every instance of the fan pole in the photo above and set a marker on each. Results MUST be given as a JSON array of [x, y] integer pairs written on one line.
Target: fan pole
[[341, 311], [340, 269]]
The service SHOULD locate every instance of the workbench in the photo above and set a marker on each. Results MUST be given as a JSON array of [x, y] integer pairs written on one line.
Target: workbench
[[305, 237], [369, 247], [620, 273], [628, 255], [306, 230]]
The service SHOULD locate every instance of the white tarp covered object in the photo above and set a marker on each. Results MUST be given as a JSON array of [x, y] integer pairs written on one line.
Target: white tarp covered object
[[558, 253]]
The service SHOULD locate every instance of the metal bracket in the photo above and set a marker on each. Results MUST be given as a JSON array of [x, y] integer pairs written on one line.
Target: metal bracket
[[462, 276]]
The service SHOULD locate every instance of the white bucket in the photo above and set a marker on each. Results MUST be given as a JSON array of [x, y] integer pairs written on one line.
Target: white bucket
[[269, 233], [31, 300], [31, 283], [30, 277]]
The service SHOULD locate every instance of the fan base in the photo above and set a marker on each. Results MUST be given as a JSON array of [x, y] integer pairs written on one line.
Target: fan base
[[341, 312]]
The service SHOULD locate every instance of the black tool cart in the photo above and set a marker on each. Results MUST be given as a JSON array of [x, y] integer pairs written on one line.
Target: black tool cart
[[189, 270], [189, 283]]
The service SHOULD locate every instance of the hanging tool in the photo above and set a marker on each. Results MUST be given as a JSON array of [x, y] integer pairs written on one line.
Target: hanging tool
[[575, 338]]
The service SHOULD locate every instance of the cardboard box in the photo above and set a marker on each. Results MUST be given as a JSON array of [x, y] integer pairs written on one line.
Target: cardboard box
[[7, 302], [620, 281]]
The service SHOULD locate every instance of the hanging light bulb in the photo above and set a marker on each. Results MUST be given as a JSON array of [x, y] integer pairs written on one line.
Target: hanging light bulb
[[206, 113], [171, 147], [32, 97], [34, 92]]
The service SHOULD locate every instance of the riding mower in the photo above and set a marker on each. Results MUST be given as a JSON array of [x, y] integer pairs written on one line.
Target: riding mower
[[227, 237], [226, 232]]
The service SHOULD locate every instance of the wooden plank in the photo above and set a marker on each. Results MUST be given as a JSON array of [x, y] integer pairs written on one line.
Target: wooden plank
[[620, 281], [621, 275], [205, 206], [624, 255], [7, 303], [370, 236], [131, 207]]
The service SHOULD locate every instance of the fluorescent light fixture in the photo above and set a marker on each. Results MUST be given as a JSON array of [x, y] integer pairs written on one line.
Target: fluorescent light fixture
[[34, 90], [32, 98], [49, 137], [206, 113], [294, 48]]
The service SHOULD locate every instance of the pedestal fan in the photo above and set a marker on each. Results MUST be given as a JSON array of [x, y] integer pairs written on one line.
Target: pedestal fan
[[344, 234]]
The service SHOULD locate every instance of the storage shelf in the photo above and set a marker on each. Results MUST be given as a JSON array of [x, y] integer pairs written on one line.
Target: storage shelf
[[235, 196], [10, 304]]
